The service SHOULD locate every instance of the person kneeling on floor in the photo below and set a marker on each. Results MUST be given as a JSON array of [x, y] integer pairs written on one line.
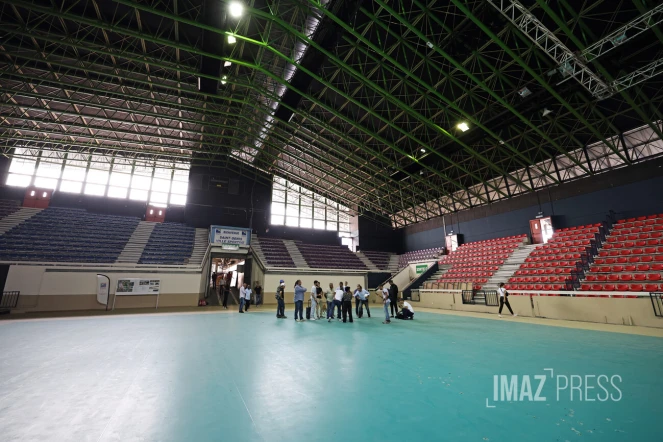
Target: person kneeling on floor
[[407, 311]]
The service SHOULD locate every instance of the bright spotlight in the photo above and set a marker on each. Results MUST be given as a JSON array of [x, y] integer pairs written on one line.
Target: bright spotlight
[[223, 79], [236, 9], [463, 126], [232, 40], [227, 64], [423, 150]]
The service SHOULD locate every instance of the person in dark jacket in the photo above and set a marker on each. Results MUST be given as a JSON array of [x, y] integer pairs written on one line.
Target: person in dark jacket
[[280, 300], [393, 297], [347, 304]]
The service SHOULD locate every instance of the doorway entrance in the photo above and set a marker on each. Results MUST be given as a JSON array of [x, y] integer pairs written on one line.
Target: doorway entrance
[[541, 230], [227, 272]]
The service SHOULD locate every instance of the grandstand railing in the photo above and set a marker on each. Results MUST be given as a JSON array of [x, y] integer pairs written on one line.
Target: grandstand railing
[[657, 303], [9, 300], [555, 293]]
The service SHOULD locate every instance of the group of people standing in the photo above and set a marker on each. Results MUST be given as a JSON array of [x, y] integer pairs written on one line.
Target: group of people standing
[[323, 303]]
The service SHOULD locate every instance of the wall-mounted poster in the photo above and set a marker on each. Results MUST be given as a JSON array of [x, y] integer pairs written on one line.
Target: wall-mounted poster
[[136, 286]]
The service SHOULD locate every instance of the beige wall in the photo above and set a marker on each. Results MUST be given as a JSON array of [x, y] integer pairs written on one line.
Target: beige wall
[[603, 310], [44, 289]]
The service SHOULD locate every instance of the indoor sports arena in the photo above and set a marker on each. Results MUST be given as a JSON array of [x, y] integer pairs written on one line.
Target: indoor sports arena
[[331, 220]]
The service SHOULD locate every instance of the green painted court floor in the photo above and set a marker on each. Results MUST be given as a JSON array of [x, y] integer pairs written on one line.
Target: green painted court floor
[[230, 377]]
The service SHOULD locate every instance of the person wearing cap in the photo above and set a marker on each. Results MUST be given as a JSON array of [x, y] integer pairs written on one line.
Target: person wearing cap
[[280, 300]]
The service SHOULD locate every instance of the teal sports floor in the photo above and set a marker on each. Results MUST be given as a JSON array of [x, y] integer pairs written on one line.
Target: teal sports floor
[[231, 377]]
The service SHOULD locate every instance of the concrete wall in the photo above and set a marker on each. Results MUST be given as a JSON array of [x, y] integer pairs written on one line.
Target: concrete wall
[[602, 310], [272, 281], [49, 289]]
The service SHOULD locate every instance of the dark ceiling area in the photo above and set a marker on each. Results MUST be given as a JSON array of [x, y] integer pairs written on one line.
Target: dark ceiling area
[[357, 100]]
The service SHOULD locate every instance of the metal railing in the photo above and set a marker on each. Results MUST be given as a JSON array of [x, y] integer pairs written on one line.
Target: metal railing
[[482, 297], [657, 303], [9, 299]]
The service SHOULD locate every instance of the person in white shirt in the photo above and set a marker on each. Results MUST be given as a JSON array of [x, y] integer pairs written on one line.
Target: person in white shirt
[[504, 299], [247, 297], [338, 302], [242, 297], [361, 297], [314, 301], [407, 312], [384, 294]]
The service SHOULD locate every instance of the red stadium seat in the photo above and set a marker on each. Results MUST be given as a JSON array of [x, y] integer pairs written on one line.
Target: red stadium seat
[[597, 287], [656, 267], [643, 267], [585, 287], [613, 278], [651, 287], [625, 252], [639, 277], [615, 269], [609, 287], [635, 287], [601, 278], [590, 278], [646, 258], [626, 277], [629, 268], [622, 260], [654, 277], [622, 287]]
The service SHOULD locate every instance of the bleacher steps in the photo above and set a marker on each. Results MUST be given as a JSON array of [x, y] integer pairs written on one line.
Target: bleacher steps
[[371, 267], [442, 269], [510, 266], [393, 264], [295, 254], [200, 244], [257, 249], [14, 219], [134, 248]]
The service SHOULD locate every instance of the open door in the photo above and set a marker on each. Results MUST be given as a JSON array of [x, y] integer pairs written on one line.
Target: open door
[[541, 230], [535, 231]]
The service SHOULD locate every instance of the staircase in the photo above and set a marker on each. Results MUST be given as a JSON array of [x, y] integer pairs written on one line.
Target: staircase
[[200, 244], [369, 264], [257, 249], [134, 248], [509, 267], [393, 264], [441, 270], [14, 219], [295, 254]]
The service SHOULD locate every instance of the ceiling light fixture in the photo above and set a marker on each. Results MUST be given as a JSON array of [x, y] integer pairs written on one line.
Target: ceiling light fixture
[[231, 39], [226, 64], [423, 150], [463, 127], [223, 79], [236, 9], [546, 111]]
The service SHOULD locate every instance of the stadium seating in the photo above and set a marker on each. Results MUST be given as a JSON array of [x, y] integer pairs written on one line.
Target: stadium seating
[[379, 259], [169, 244], [549, 266], [631, 259], [476, 262], [419, 255], [67, 235], [276, 253], [7, 207], [329, 257]]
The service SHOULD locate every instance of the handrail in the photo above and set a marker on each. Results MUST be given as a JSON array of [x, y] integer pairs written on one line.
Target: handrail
[[559, 292], [310, 270], [109, 266]]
